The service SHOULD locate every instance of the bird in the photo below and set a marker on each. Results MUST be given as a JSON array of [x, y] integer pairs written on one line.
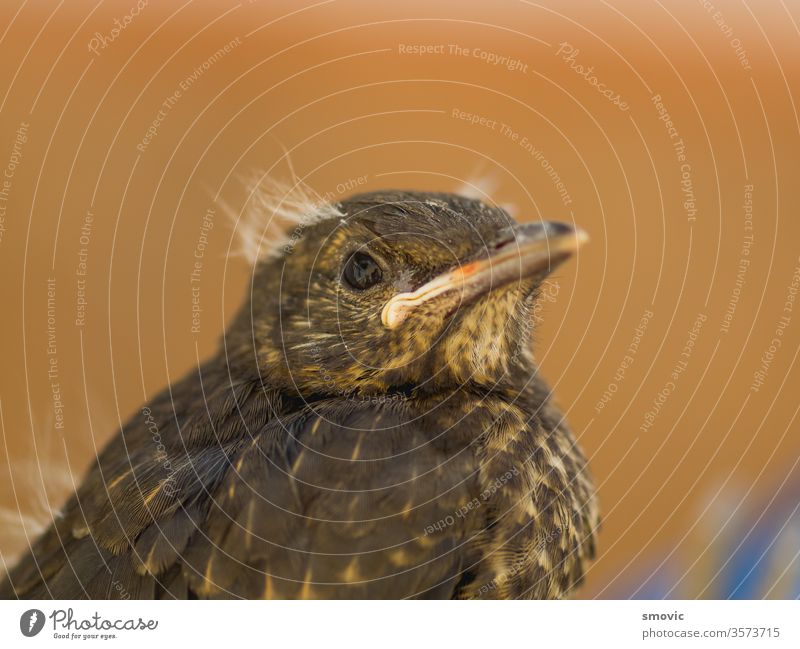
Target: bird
[[373, 426]]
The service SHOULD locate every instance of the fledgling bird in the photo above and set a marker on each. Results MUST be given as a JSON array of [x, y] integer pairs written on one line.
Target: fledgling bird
[[374, 426]]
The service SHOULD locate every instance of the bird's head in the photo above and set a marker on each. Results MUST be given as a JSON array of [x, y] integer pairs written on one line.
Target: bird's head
[[398, 290]]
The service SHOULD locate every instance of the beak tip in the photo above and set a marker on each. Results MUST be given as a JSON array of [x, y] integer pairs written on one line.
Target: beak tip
[[581, 236]]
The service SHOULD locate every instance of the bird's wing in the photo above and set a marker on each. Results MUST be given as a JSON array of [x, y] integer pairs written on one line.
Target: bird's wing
[[158, 471], [342, 501]]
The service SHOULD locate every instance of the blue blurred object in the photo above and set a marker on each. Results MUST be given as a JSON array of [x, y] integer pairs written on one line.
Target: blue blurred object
[[735, 550]]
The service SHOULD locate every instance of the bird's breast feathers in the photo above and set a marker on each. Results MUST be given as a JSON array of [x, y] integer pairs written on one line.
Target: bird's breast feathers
[[457, 496]]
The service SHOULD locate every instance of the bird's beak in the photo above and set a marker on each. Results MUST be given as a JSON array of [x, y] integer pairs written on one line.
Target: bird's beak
[[532, 249]]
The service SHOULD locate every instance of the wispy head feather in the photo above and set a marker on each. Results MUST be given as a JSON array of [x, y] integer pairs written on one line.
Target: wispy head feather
[[483, 187], [273, 209]]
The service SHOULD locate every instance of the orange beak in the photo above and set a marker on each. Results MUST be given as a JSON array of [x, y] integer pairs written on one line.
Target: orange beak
[[534, 249]]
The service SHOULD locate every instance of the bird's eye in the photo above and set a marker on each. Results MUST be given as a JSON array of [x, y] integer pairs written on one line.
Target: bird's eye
[[361, 271]]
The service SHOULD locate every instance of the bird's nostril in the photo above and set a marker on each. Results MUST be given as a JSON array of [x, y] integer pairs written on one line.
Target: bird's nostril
[[503, 239], [501, 243]]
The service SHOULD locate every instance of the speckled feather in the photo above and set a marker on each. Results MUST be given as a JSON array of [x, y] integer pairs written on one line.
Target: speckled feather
[[444, 470]]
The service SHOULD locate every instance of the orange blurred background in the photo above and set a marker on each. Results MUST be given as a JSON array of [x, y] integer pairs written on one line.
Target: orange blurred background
[[668, 130]]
